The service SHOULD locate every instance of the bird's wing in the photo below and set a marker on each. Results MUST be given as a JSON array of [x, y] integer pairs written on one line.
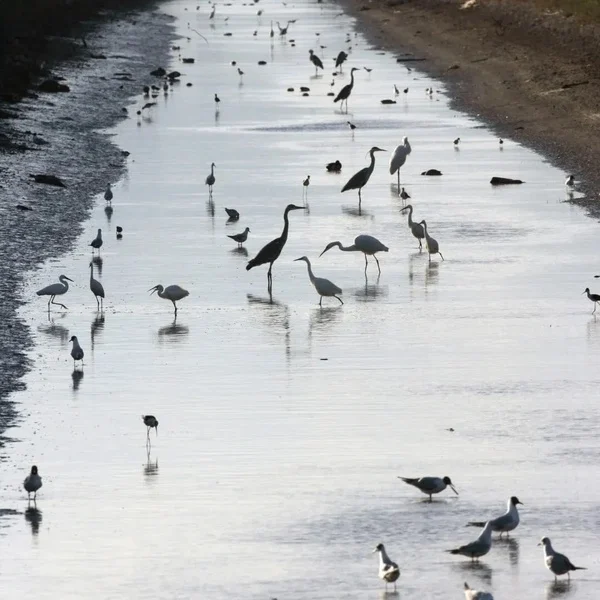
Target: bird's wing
[[343, 93], [267, 254], [397, 159], [357, 180], [502, 521]]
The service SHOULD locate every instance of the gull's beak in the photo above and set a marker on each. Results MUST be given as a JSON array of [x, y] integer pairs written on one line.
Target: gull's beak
[[520, 503], [454, 489]]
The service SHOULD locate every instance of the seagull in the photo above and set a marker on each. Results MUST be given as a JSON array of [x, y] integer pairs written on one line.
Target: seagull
[[480, 547], [476, 595], [570, 182], [150, 421], [506, 522], [97, 242], [388, 569], [556, 562], [595, 298], [430, 485], [32, 483], [240, 238], [108, 195], [76, 351]]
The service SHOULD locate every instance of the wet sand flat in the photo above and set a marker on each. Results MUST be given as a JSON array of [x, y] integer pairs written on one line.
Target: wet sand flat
[[283, 426]]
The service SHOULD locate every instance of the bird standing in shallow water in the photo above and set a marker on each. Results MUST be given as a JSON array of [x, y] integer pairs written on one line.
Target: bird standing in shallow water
[[415, 228], [96, 288], [171, 292], [315, 60], [506, 522], [97, 242], [56, 289], [367, 244], [305, 185], [388, 569], [556, 562], [360, 179], [404, 195], [432, 246], [456, 141], [345, 92], [150, 421], [323, 286], [76, 351], [430, 485], [217, 101], [210, 180], [240, 238], [398, 158], [340, 60], [595, 298], [108, 194], [32, 483], [478, 548]]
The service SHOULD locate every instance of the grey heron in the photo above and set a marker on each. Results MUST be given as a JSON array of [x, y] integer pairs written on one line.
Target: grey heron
[[345, 92], [415, 228], [171, 292], [360, 179], [56, 289], [556, 562], [240, 238], [96, 288], [430, 485], [315, 60], [367, 244], [388, 569], [323, 286], [432, 245], [398, 158], [76, 351], [32, 483], [210, 179]]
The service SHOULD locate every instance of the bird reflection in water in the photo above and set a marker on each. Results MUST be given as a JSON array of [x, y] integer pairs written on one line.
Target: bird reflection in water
[[96, 327], [34, 517], [353, 211], [76, 376], [277, 316], [322, 318], [108, 211], [559, 589], [513, 548], [54, 330], [415, 257], [151, 467], [217, 115], [173, 332], [243, 252], [431, 273], [478, 569], [383, 594], [210, 208], [371, 291], [98, 262]]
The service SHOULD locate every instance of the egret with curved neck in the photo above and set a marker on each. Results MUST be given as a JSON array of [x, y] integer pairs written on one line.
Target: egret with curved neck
[[171, 292], [415, 228], [56, 289], [323, 286], [360, 179], [432, 245], [367, 244]]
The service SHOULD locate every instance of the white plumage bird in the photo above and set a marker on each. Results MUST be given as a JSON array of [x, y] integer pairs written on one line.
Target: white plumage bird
[[171, 292], [388, 569], [432, 244], [323, 286], [367, 244], [56, 289], [398, 158], [471, 594], [506, 522], [96, 288]]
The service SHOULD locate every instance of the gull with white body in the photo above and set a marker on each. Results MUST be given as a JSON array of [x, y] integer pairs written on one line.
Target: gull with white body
[[388, 569], [506, 522], [556, 562]]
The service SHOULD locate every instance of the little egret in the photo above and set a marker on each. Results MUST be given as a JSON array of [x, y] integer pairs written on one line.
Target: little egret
[[471, 594], [270, 253], [556, 562], [171, 292], [430, 485], [479, 547], [108, 195], [76, 351], [150, 421], [415, 228], [360, 179], [345, 92], [506, 522], [324, 287], [398, 158], [570, 182], [305, 185], [432, 246], [315, 60], [366, 244], [97, 242], [240, 238], [340, 60], [210, 180], [233, 214], [96, 288], [334, 167], [32, 483], [56, 289], [388, 569], [595, 298]]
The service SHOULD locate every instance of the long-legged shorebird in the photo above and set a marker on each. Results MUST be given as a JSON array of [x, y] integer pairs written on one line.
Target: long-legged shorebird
[[56, 289], [367, 244], [323, 286], [595, 298], [360, 179]]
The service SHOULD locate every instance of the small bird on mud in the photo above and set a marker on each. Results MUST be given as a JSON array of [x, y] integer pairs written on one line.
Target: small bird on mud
[[32, 483], [404, 194], [570, 182]]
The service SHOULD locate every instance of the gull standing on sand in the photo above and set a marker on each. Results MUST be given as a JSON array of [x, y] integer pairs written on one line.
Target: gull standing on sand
[[595, 298], [506, 522], [398, 158], [210, 180], [323, 286], [32, 483], [480, 547], [367, 244], [96, 288], [55, 289], [171, 292], [388, 569], [476, 595], [556, 562], [76, 351], [430, 485], [97, 242], [240, 238]]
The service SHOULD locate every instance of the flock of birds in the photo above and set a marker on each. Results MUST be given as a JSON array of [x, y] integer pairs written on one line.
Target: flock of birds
[[369, 246]]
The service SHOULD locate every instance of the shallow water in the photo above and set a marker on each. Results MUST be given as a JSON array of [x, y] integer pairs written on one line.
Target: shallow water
[[283, 426]]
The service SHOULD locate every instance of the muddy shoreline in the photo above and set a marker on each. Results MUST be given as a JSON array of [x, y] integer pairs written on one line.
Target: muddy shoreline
[[105, 61], [532, 76]]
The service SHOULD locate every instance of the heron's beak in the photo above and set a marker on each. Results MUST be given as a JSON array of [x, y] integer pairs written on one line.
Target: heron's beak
[[69, 279], [454, 489], [298, 207], [297, 259], [152, 290]]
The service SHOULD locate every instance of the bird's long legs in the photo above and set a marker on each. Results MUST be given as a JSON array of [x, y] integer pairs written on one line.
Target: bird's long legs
[[270, 279], [57, 303], [366, 264], [97, 303], [321, 301], [359, 199], [595, 307], [398, 181], [175, 305], [441, 255], [377, 263]]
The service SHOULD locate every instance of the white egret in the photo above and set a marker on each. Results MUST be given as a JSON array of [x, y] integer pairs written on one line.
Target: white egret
[[432, 246], [240, 238], [210, 180], [471, 594], [32, 483], [150, 421], [76, 351], [97, 242], [415, 228], [171, 292], [398, 158], [595, 298], [323, 286], [56, 289], [108, 194], [477, 548], [556, 562], [367, 244], [345, 92], [430, 485], [315, 60], [270, 253], [360, 179], [96, 288], [388, 569], [506, 522]]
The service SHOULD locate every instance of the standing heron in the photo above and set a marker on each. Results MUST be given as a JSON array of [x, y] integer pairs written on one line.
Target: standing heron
[[305, 185], [96, 288], [345, 92], [366, 244], [270, 253], [340, 60], [76, 351], [432, 245], [151, 422], [171, 292], [415, 228], [240, 238], [595, 298], [398, 158], [97, 242], [388, 569], [360, 179], [315, 60], [32, 483], [56, 289], [108, 194], [323, 286], [210, 180]]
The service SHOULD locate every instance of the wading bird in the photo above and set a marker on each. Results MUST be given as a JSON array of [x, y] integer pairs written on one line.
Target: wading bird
[[76, 351], [108, 194], [506, 522], [432, 246], [398, 158], [340, 60], [212, 12], [556, 562], [270, 253], [345, 92], [171, 292], [150, 421], [240, 238], [334, 167], [456, 141], [366, 244], [97, 242], [210, 180], [233, 214], [324, 287], [305, 185], [415, 228], [360, 179], [430, 485], [32, 483], [240, 73], [570, 182], [272, 32], [315, 60], [352, 126], [595, 298], [96, 288], [217, 101], [476, 594], [56, 289], [388, 569], [478, 548], [404, 195], [396, 90]]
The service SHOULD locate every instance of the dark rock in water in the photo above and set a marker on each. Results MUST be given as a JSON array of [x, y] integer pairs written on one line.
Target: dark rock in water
[[504, 181], [290, 89], [228, 34], [188, 61], [306, 94], [330, 94], [262, 62], [52, 86], [174, 75], [189, 84], [431, 172], [388, 101], [49, 180], [160, 72], [304, 89], [23, 207]]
